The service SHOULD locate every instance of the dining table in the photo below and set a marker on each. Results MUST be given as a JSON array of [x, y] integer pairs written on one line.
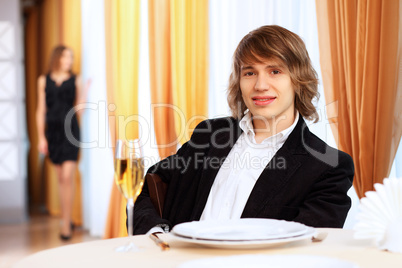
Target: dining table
[[339, 244]]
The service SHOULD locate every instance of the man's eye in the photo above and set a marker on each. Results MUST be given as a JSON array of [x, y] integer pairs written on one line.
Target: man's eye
[[248, 74], [275, 72]]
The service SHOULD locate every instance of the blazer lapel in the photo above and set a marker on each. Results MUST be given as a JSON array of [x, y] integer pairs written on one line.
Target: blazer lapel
[[224, 142], [277, 173]]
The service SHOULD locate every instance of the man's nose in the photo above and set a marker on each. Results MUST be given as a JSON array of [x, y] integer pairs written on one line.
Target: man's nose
[[263, 83]]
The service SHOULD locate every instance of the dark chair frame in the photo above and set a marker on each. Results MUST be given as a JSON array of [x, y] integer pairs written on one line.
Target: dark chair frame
[[157, 191]]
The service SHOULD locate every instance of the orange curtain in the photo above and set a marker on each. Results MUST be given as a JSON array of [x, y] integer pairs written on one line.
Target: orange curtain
[[122, 32], [32, 72], [51, 32], [71, 29], [161, 77], [71, 37], [189, 39], [360, 64], [178, 45], [50, 23]]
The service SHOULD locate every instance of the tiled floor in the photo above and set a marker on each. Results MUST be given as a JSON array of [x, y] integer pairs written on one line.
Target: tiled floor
[[39, 233]]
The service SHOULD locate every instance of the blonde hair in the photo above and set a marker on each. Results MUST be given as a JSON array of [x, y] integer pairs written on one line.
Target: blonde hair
[[275, 42], [54, 63]]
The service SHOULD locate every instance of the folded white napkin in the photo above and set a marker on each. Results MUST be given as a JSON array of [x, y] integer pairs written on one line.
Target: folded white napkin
[[380, 217]]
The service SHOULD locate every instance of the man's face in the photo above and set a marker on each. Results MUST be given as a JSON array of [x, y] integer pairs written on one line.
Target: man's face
[[267, 90]]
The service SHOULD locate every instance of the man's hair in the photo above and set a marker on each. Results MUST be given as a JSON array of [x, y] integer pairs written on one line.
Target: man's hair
[[275, 42], [54, 63]]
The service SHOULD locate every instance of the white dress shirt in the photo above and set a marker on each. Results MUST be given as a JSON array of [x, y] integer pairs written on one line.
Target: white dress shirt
[[240, 170]]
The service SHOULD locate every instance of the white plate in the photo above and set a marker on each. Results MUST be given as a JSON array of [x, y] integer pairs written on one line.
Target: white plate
[[240, 229], [246, 244], [274, 261]]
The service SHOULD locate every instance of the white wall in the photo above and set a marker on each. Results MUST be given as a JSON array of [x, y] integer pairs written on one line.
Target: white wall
[[13, 139]]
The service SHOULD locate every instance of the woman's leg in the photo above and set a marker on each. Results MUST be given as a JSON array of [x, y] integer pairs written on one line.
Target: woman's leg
[[66, 182]]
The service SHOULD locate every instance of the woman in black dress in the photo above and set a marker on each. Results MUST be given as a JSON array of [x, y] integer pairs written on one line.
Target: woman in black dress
[[58, 132]]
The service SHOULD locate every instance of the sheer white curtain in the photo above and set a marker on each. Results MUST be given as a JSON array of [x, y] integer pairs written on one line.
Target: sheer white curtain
[[96, 156], [230, 20], [396, 170], [147, 133], [96, 164]]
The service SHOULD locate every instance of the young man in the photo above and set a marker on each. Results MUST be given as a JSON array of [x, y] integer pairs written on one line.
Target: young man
[[263, 162]]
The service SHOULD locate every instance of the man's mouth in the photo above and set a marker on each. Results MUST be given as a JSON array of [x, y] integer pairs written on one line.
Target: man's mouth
[[263, 100]]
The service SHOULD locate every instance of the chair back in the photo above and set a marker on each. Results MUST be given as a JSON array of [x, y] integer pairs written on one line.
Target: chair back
[[157, 191]]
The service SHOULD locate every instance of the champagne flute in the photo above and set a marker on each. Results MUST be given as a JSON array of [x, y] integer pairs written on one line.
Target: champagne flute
[[136, 178], [129, 178]]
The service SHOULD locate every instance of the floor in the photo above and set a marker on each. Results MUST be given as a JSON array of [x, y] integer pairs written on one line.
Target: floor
[[39, 233]]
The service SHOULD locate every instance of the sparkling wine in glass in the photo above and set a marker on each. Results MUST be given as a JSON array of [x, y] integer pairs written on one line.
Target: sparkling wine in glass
[[129, 178], [135, 178]]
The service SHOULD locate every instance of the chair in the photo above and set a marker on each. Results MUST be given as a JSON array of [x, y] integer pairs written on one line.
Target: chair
[[157, 191]]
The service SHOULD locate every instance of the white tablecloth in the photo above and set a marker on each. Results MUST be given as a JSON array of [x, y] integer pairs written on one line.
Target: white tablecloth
[[339, 244]]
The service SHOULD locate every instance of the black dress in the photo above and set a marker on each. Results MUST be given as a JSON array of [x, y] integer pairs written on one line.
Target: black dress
[[62, 130]]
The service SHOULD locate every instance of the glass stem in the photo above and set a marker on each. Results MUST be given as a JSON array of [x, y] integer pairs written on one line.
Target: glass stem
[[130, 212]]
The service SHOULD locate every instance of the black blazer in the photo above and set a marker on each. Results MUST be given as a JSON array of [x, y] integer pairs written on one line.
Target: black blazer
[[306, 181]]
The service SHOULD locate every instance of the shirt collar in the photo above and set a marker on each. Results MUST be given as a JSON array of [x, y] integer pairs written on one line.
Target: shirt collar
[[246, 124]]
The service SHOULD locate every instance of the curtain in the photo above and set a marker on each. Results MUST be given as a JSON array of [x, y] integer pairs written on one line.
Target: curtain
[[147, 130], [189, 50], [178, 47], [32, 66], [71, 36], [96, 163], [42, 33], [50, 35], [359, 42], [226, 31], [178, 40], [396, 170], [62, 25], [122, 21], [49, 24], [160, 76], [71, 29]]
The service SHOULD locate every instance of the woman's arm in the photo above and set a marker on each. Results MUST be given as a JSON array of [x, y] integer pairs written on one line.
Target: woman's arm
[[41, 115], [81, 93]]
